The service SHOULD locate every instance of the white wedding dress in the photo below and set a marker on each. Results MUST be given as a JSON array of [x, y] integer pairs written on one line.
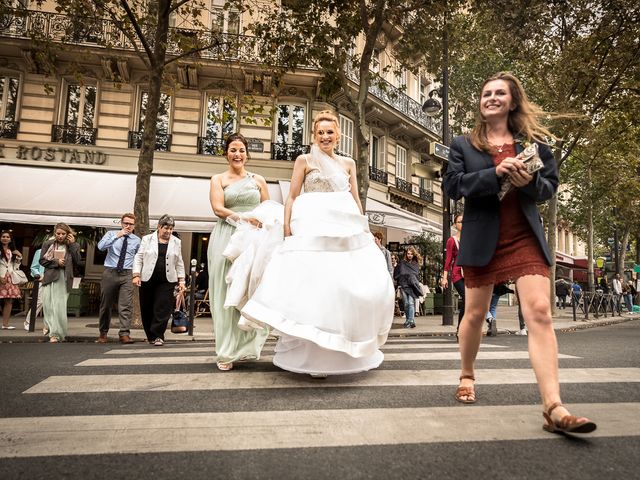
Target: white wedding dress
[[326, 289]]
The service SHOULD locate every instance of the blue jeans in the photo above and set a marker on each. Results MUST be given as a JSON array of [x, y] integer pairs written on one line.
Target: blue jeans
[[628, 301], [409, 306], [493, 306]]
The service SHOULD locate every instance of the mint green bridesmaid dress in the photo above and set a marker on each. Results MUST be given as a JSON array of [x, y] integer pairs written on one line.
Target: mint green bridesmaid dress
[[232, 344]]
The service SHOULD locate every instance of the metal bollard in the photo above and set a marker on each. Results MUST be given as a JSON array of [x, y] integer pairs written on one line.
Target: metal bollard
[[192, 296]]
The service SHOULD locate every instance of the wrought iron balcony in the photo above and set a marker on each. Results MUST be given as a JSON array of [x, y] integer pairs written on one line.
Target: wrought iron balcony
[[72, 134], [163, 141], [288, 151], [9, 129], [35, 24], [377, 175], [400, 101], [426, 195], [210, 146], [403, 185]]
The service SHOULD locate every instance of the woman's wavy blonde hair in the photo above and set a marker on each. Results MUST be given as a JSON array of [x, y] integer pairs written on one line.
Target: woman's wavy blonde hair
[[416, 256], [328, 116], [523, 121]]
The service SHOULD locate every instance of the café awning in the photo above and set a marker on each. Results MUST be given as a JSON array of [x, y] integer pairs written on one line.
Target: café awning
[[46, 196]]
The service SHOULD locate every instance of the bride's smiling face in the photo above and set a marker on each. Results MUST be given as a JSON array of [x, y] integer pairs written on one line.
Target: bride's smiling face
[[326, 136]]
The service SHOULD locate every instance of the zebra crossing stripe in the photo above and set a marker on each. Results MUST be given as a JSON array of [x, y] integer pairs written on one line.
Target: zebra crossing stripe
[[229, 431], [267, 349], [237, 380], [200, 359]]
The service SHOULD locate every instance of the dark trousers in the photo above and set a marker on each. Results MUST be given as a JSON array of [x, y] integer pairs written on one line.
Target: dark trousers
[[156, 305], [116, 286], [459, 286]]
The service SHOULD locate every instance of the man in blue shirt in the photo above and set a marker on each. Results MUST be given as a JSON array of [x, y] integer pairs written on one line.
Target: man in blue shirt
[[121, 246]]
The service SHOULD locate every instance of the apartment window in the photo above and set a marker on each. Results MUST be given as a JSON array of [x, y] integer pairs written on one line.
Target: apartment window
[[375, 61], [163, 117], [290, 124], [78, 116], [346, 136], [80, 106], [401, 79], [9, 87], [220, 122], [401, 162], [375, 152], [224, 21], [163, 137], [221, 117], [289, 133]]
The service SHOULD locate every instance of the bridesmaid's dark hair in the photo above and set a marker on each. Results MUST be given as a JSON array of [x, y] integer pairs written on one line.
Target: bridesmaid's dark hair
[[235, 137], [11, 245]]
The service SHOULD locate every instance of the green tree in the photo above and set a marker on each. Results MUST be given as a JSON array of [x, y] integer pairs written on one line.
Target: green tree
[[322, 35]]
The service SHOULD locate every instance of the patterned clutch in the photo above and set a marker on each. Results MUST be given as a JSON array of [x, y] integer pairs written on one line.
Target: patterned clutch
[[532, 161]]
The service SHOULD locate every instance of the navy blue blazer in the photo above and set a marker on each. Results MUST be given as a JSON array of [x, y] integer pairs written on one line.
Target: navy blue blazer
[[472, 175]]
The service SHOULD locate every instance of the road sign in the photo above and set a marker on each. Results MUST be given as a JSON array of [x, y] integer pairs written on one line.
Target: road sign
[[439, 150]]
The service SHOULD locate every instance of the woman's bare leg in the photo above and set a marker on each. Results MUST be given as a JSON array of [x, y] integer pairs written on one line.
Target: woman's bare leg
[[533, 291], [476, 306], [6, 311]]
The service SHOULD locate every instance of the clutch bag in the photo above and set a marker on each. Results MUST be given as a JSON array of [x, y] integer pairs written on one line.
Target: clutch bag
[[531, 160]]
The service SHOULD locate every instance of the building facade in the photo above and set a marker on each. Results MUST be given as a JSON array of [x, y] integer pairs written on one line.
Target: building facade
[[69, 143]]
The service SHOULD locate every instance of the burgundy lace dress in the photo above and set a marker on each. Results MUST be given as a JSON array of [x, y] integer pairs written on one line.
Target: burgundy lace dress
[[518, 252]]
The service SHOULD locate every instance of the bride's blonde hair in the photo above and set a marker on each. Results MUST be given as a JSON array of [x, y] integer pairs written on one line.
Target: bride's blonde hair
[[325, 116]]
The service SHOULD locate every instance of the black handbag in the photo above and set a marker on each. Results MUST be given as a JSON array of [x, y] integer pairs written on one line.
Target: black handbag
[[179, 318]]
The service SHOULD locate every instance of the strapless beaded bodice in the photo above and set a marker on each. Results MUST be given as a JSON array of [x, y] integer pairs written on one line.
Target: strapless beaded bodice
[[315, 181]]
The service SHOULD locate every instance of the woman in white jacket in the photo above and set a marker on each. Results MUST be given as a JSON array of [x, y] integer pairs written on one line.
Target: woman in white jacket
[[157, 268]]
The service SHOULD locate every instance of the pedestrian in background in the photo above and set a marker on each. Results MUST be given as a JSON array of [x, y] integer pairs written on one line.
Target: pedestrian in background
[[562, 290], [61, 261], [37, 272], [616, 287], [629, 292], [387, 254], [451, 265], [116, 285], [576, 291], [407, 276], [157, 269], [10, 259], [503, 239]]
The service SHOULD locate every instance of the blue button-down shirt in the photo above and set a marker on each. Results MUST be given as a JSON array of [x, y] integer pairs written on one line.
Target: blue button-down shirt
[[113, 245]]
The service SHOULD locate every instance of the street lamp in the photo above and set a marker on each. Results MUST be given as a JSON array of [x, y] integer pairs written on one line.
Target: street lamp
[[431, 106]]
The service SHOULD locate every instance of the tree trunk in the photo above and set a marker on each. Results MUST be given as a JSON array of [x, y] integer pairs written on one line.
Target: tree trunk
[[590, 275], [552, 233]]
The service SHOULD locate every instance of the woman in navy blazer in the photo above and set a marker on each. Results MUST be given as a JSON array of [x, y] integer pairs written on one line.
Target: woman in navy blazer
[[504, 240]]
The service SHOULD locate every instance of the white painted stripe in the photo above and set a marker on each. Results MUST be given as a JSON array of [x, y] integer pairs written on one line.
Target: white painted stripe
[[161, 351], [228, 431], [375, 378], [421, 340], [200, 359]]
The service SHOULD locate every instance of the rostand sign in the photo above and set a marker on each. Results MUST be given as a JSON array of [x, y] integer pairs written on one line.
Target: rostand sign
[[60, 154]]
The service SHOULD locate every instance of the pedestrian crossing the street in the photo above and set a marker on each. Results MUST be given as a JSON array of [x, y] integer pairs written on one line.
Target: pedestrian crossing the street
[[425, 367]]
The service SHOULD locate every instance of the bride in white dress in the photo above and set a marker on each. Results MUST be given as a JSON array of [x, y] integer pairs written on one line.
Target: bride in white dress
[[326, 289]]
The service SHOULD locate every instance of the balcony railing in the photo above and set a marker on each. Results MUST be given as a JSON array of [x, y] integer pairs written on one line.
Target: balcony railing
[[288, 151], [403, 185], [210, 146], [400, 101], [163, 141], [56, 27], [426, 194], [9, 129], [377, 175], [72, 134]]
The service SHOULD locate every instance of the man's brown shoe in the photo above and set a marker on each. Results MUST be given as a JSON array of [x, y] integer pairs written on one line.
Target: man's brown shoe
[[102, 338], [126, 339]]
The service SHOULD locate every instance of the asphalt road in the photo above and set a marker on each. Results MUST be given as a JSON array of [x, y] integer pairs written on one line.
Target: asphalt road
[[85, 411]]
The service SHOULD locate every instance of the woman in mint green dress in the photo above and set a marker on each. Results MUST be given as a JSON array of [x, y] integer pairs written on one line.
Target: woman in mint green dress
[[232, 192]]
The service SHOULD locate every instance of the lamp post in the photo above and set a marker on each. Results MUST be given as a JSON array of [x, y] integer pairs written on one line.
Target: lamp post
[[431, 107]]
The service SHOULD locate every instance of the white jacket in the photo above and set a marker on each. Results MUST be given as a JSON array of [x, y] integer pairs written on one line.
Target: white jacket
[[9, 266], [145, 260]]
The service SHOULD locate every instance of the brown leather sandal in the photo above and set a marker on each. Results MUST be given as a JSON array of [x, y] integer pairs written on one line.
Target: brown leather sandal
[[468, 392], [567, 424]]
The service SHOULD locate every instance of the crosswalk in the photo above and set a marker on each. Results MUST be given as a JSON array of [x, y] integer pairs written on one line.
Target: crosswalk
[[424, 366]]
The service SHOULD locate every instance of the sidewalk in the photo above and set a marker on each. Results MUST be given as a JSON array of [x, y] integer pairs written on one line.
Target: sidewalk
[[85, 329]]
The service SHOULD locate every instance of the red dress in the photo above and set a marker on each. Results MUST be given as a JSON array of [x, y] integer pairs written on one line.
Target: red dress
[[517, 252]]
